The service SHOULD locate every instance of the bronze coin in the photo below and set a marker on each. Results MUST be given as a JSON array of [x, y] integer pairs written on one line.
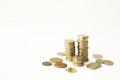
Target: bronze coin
[[47, 63], [60, 65]]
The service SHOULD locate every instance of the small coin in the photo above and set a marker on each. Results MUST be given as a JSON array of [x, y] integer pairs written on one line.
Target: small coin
[[100, 61], [71, 70], [98, 56], [93, 65], [54, 60], [61, 53], [60, 65], [108, 62], [47, 63]]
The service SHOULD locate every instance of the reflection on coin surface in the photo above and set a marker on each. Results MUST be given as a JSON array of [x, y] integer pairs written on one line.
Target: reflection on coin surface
[[93, 65], [108, 62], [54, 60], [61, 53], [47, 63], [97, 56], [71, 70], [60, 65]]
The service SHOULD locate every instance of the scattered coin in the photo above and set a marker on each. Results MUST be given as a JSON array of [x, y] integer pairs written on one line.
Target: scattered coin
[[108, 62], [100, 61], [98, 56], [71, 70], [60, 65], [61, 53], [54, 60], [47, 63], [93, 65]]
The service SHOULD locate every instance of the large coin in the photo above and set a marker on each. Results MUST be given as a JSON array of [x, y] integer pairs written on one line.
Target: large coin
[[93, 65], [61, 53], [98, 56], [54, 60], [60, 65], [47, 63], [108, 62], [71, 70]]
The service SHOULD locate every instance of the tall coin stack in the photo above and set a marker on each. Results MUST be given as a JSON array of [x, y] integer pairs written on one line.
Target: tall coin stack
[[69, 49], [83, 46]]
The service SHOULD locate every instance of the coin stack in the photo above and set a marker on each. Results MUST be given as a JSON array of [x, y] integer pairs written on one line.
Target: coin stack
[[83, 46], [78, 61], [69, 49]]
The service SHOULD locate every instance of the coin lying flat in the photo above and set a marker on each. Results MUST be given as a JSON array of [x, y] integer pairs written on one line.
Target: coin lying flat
[[61, 53], [100, 61], [54, 60], [71, 70], [98, 56], [47, 63], [60, 65], [108, 62], [93, 65]]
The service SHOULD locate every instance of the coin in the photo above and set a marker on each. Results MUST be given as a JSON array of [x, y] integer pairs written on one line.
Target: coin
[[47, 63], [60, 65], [100, 61], [93, 65], [54, 60], [71, 70], [98, 56], [61, 53], [108, 62]]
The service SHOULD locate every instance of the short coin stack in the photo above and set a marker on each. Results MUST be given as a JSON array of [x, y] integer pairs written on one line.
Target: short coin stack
[[69, 49], [83, 46], [78, 61]]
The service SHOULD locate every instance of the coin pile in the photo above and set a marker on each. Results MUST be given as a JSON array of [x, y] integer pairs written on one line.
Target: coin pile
[[79, 58], [69, 49], [83, 46], [78, 61]]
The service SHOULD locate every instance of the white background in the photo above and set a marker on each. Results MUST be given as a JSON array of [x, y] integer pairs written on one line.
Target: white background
[[32, 31]]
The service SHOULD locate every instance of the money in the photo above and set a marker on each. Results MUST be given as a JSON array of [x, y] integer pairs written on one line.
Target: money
[[100, 61], [69, 49], [47, 63], [78, 61], [97, 56], [108, 62], [60, 65], [93, 65], [54, 60], [61, 53], [83, 46], [71, 70]]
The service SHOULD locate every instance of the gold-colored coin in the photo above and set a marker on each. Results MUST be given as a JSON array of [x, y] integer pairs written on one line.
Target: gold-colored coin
[[61, 53], [93, 65], [108, 62], [47, 63], [54, 60], [98, 56], [100, 61], [71, 70]]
